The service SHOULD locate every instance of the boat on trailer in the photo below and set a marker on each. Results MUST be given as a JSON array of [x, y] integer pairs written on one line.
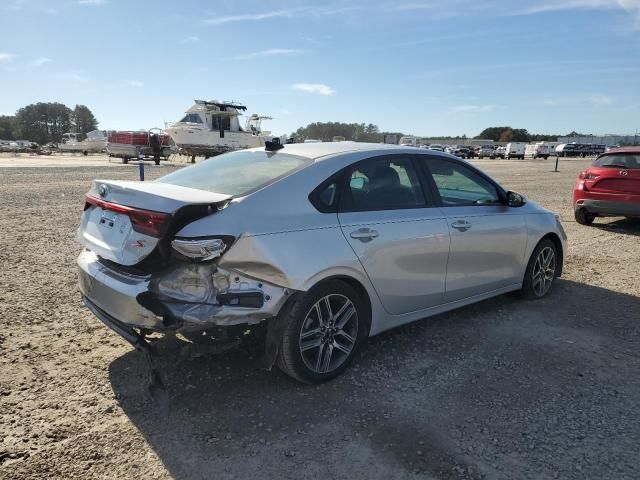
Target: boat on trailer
[[95, 142], [212, 127], [126, 145]]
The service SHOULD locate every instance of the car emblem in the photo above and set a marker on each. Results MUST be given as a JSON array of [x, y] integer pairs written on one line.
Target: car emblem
[[103, 190], [623, 172]]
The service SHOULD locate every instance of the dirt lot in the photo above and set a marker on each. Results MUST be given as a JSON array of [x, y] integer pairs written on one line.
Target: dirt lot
[[503, 389]]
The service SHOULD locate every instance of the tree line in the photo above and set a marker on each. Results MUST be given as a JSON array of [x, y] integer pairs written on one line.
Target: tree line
[[326, 131], [361, 132], [46, 122]]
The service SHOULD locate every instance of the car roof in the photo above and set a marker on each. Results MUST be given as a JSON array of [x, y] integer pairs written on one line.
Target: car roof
[[317, 151], [635, 150]]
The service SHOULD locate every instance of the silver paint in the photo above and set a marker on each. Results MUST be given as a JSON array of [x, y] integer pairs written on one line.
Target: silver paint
[[417, 262]]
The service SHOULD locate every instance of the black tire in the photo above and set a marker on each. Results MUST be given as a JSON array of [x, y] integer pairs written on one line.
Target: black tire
[[125, 160], [530, 289], [583, 217], [156, 159], [85, 153], [300, 314]]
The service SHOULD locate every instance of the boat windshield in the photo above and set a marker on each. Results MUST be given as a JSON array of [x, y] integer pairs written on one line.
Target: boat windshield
[[237, 173], [191, 118]]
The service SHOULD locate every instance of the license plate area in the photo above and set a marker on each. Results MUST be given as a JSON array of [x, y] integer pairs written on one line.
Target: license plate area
[[110, 229]]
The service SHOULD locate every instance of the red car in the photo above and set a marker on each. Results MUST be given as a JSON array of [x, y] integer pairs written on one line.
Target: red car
[[609, 187]]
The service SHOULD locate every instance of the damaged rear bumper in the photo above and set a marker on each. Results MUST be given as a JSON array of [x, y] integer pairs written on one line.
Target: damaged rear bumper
[[183, 297]]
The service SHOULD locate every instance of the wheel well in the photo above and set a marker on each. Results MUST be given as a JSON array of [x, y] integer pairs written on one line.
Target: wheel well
[[362, 293], [556, 241]]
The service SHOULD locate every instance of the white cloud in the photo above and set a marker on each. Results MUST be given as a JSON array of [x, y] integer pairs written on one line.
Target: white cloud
[[319, 88], [550, 103], [93, 3], [631, 6], [6, 57], [271, 52], [39, 62], [190, 39], [134, 83], [75, 77], [472, 108], [289, 13], [601, 100], [252, 17]]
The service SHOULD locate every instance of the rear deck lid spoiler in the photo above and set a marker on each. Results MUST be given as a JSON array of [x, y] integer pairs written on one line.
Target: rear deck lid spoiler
[[156, 196]]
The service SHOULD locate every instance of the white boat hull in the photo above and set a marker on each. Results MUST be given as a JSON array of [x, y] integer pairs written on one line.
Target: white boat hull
[[202, 141], [89, 146]]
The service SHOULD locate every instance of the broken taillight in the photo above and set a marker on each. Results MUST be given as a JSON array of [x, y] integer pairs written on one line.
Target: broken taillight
[[147, 222], [587, 175], [201, 249]]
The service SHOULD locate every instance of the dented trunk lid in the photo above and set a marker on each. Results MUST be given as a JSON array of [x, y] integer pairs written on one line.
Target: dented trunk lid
[[124, 221]]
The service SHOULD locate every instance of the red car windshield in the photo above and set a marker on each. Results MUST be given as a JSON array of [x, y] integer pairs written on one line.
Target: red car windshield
[[620, 160]]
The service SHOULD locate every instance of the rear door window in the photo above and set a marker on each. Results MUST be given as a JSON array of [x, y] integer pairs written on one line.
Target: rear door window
[[386, 183]]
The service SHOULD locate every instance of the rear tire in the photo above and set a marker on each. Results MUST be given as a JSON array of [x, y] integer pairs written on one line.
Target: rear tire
[[125, 160], [324, 329], [541, 271], [583, 217]]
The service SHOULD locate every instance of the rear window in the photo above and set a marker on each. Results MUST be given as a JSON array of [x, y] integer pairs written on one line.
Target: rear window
[[236, 173], [631, 161]]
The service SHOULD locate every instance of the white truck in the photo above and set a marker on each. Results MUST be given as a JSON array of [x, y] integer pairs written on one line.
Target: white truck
[[515, 150], [540, 150], [408, 141]]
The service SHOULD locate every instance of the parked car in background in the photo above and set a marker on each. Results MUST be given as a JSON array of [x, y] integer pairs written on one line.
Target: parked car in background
[[609, 187], [474, 151], [515, 150], [318, 245], [437, 147], [462, 152], [499, 152], [486, 151]]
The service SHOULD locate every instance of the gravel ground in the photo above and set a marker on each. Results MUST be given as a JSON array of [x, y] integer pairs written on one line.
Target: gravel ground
[[503, 389]]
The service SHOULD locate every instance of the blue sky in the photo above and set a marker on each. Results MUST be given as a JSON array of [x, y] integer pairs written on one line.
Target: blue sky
[[432, 67]]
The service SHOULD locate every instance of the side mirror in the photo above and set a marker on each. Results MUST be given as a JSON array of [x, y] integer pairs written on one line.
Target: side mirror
[[515, 199]]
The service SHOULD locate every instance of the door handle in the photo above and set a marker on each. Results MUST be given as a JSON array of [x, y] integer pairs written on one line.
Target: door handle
[[461, 225], [364, 234]]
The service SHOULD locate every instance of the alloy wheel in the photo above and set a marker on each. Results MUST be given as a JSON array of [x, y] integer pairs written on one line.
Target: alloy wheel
[[544, 271], [328, 334]]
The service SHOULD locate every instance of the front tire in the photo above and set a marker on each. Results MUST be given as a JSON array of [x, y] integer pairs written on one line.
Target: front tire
[[583, 217], [541, 271], [324, 329]]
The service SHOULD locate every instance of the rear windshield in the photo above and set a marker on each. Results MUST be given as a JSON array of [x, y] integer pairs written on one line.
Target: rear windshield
[[236, 173], [626, 160]]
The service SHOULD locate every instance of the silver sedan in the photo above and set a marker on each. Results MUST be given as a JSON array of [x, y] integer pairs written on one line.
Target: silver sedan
[[310, 248]]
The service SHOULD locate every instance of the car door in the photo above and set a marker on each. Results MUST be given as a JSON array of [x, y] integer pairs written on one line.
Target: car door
[[400, 237], [488, 238]]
